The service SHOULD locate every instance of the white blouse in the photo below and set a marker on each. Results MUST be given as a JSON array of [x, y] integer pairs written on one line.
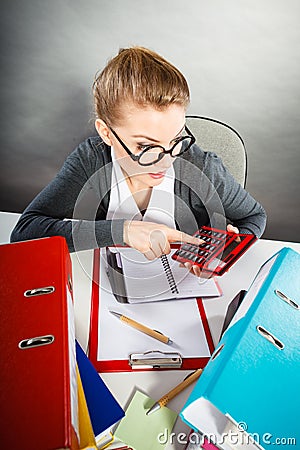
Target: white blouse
[[123, 206]]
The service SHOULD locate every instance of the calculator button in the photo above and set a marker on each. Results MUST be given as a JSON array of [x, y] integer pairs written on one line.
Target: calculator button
[[184, 247], [184, 254], [199, 260], [190, 248]]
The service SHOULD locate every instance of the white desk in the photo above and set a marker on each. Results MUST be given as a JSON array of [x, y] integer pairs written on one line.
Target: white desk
[[156, 383]]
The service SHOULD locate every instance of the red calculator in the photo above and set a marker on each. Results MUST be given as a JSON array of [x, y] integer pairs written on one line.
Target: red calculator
[[219, 251]]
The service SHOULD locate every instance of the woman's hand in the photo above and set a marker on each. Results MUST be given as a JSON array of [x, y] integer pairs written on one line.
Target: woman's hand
[[232, 229], [196, 270], [153, 239]]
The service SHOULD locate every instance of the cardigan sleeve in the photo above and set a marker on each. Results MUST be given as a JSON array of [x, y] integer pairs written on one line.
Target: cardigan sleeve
[[54, 211]]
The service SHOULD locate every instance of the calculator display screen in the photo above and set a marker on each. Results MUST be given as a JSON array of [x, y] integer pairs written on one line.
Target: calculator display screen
[[232, 246], [227, 250]]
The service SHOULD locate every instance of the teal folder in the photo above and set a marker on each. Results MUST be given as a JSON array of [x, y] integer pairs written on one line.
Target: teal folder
[[250, 386]]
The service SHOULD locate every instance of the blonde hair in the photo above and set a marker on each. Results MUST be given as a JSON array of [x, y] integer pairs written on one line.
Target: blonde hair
[[140, 76]]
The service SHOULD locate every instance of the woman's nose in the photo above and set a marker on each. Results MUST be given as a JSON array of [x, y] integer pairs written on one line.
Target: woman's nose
[[165, 162]]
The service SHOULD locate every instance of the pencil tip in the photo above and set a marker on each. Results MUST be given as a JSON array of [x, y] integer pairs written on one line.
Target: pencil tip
[[115, 313], [153, 408]]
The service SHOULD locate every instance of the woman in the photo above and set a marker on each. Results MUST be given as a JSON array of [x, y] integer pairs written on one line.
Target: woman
[[142, 181]]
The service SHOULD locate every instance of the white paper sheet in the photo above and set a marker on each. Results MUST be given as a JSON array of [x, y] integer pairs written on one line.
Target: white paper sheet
[[178, 319]]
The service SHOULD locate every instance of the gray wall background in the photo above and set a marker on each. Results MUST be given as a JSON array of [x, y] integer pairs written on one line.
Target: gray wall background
[[241, 59]]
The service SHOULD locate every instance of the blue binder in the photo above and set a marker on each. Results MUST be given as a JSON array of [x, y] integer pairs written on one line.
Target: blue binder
[[103, 408], [250, 386]]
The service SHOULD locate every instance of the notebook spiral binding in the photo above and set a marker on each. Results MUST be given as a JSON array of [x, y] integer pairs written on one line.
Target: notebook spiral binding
[[169, 274]]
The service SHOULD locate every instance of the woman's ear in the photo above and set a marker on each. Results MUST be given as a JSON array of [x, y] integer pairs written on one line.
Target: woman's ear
[[103, 131]]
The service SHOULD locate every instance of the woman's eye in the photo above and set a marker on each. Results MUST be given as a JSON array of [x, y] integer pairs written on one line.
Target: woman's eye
[[141, 147], [177, 140]]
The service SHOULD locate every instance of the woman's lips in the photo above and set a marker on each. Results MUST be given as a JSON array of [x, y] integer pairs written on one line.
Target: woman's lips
[[157, 175]]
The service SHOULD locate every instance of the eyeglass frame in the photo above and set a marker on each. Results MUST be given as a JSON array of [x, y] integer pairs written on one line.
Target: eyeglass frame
[[148, 147]]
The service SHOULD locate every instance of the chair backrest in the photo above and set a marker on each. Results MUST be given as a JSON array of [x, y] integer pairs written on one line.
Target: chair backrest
[[212, 135]]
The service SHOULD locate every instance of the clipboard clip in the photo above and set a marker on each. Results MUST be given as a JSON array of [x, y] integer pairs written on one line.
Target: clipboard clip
[[155, 359]]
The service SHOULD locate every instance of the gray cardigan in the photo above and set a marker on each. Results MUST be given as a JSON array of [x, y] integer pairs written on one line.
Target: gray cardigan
[[205, 193]]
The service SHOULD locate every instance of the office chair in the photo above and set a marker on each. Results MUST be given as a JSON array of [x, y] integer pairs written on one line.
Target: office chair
[[212, 135]]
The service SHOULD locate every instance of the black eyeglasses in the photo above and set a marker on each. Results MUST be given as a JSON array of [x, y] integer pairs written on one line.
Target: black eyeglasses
[[151, 154]]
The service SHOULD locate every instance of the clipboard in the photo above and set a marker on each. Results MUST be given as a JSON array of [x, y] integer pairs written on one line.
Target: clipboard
[[153, 357]]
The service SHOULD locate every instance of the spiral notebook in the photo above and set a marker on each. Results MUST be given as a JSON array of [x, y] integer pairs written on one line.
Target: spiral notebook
[[134, 279]]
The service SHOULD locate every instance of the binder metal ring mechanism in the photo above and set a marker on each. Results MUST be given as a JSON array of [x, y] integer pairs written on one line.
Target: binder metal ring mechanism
[[39, 291], [155, 360], [36, 341]]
